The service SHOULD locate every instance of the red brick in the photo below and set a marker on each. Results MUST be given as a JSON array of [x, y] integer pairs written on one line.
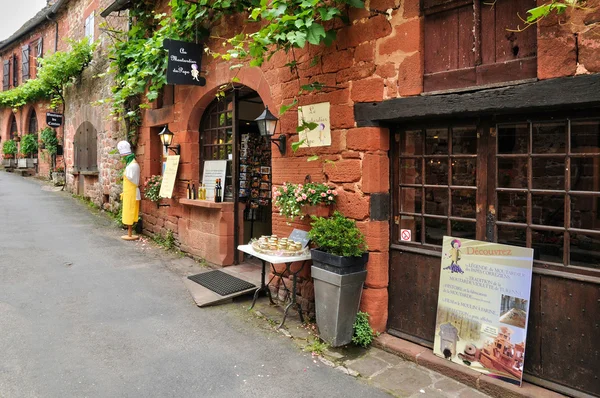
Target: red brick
[[350, 154], [375, 303], [386, 70], [588, 50], [402, 348], [357, 72], [410, 76], [368, 139], [367, 90], [342, 116], [377, 270], [411, 8], [557, 57], [371, 29], [377, 234], [376, 173], [295, 169], [353, 205], [365, 52], [346, 170], [406, 39], [382, 5], [338, 61]]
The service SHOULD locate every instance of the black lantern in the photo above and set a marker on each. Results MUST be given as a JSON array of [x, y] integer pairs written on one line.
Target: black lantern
[[166, 137], [267, 123]]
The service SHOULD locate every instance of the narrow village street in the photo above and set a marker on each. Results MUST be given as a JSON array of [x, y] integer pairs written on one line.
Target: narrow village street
[[86, 314]]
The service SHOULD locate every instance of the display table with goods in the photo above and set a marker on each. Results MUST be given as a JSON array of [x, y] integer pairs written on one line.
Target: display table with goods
[[274, 250]]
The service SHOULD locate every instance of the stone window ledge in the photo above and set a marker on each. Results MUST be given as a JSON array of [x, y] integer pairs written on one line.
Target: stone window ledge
[[223, 206]]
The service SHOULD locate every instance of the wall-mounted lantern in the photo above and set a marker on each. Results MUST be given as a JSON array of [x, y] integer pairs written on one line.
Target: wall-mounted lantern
[[267, 122], [166, 137]]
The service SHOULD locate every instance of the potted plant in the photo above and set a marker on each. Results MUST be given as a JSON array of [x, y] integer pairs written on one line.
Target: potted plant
[[28, 147], [9, 150], [338, 271], [298, 200]]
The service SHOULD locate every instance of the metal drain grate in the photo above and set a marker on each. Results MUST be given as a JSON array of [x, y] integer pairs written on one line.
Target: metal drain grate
[[221, 283]]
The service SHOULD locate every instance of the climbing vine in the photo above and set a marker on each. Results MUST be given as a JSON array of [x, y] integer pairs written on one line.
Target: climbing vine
[[140, 61], [56, 72]]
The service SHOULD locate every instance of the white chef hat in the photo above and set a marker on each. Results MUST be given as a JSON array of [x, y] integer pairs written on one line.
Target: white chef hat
[[124, 148]]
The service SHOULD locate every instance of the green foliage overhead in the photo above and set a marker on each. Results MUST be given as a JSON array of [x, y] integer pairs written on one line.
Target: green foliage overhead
[[338, 235], [29, 144], [48, 137], [56, 72], [9, 147]]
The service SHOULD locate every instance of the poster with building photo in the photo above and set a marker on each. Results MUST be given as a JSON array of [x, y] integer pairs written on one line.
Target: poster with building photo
[[483, 306]]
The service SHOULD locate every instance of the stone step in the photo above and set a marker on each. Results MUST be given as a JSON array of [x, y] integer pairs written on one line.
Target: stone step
[[24, 172]]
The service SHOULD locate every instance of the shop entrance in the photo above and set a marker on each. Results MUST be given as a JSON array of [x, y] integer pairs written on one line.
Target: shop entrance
[[228, 132]]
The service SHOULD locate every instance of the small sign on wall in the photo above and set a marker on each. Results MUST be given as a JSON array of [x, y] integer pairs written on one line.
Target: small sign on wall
[[184, 63], [54, 119], [406, 235], [318, 114], [169, 176], [213, 170]]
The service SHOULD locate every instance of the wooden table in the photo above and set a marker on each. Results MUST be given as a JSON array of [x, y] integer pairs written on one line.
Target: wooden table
[[287, 260]]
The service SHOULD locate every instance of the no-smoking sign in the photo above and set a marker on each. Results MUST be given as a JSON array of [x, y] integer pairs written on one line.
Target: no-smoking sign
[[405, 235]]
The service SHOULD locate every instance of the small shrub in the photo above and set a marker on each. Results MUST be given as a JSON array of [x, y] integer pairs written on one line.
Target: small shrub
[[29, 144], [167, 241], [48, 137], [338, 235], [9, 147], [363, 334]]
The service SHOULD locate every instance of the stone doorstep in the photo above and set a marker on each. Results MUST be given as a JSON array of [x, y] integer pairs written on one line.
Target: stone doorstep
[[424, 357]]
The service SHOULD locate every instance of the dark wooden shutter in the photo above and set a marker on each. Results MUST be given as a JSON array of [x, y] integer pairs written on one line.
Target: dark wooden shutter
[[25, 64], [6, 75], [86, 148], [15, 70]]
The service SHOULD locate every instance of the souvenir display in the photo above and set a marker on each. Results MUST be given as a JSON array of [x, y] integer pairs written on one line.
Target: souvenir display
[[274, 246]]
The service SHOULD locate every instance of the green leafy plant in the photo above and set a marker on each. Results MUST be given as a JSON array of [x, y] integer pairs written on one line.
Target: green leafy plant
[[29, 144], [9, 148], [338, 235], [363, 333], [166, 241], [49, 139], [56, 72], [152, 188], [291, 198], [316, 347]]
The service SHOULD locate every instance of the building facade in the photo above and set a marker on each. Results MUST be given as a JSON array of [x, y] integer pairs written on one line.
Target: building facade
[[446, 119]]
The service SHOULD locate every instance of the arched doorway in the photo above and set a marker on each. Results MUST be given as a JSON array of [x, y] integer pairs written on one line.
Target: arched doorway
[[85, 150], [32, 128], [13, 130], [229, 133]]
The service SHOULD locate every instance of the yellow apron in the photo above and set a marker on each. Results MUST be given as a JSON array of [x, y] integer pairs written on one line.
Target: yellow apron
[[131, 206]]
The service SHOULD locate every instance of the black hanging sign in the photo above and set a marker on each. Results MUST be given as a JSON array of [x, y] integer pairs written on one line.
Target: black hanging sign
[[184, 63], [54, 119]]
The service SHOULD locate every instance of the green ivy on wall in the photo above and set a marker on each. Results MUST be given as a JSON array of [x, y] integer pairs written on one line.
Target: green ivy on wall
[[56, 72]]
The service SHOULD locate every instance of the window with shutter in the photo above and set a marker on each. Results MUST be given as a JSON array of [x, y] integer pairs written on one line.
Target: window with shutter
[[470, 43], [15, 70], [6, 75], [25, 64], [39, 51]]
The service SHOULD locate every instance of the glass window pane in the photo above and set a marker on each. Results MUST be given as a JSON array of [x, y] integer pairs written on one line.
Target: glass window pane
[[410, 200], [463, 203], [547, 246], [414, 225], [436, 141], [512, 207], [465, 230], [512, 235], [585, 136], [548, 173], [464, 140], [512, 173], [548, 210], [410, 171], [584, 212], [436, 201], [585, 174], [435, 229], [513, 138], [585, 250], [436, 171], [411, 143], [549, 137], [464, 172]]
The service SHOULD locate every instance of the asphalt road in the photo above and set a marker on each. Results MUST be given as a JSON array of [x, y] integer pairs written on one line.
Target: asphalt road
[[85, 314]]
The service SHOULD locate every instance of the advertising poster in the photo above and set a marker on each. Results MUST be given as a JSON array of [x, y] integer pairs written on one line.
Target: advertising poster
[[319, 114], [483, 306], [213, 170], [169, 176]]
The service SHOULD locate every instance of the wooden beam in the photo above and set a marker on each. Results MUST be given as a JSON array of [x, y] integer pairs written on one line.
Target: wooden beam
[[552, 94]]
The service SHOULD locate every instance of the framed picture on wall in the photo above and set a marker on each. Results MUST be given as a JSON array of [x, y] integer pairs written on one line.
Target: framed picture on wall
[[243, 168], [243, 176], [265, 186], [265, 170]]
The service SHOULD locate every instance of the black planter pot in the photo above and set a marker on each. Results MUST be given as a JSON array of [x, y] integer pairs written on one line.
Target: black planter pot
[[338, 264]]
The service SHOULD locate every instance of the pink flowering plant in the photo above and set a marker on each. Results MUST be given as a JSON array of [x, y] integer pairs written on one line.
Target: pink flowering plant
[[152, 188], [291, 198]]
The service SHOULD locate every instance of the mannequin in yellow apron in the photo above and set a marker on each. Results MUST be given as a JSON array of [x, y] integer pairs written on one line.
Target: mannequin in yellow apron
[[130, 198]]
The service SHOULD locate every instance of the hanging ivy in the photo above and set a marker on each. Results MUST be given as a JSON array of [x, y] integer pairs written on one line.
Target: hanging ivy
[[56, 72]]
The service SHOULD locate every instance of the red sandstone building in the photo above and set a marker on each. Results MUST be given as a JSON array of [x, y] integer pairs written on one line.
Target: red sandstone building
[[443, 122]]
